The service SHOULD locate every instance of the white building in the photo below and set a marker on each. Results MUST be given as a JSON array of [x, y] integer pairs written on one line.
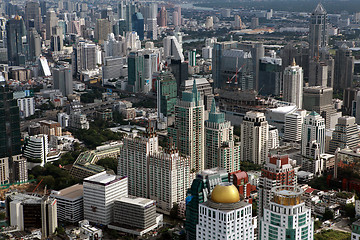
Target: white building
[[112, 47], [169, 179], [293, 85], [224, 216], [313, 130], [4, 170], [287, 216], [172, 48], [100, 192], [355, 233], [207, 52], [273, 137], [78, 121], [37, 147], [254, 138], [69, 203], [293, 125], [112, 69], [26, 107]]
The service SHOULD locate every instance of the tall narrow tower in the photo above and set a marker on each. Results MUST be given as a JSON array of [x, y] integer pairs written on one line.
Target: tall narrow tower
[[318, 36], [188, 131], [313, 130], [293, 84]]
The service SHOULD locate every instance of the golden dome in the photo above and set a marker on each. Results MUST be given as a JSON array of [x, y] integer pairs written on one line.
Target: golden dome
[[225, 193]]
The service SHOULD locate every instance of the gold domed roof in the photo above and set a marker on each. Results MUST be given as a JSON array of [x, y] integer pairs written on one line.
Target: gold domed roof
[[225, 193]]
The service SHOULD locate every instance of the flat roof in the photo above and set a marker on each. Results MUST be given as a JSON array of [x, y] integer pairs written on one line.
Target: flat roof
[[72, 192], [143, 202], [102, 177]]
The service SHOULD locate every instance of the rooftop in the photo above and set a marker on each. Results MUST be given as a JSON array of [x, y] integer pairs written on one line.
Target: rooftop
[[142, 202], [102, 177], [72, 192]]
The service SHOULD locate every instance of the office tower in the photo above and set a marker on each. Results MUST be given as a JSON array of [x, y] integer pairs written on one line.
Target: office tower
[[313, 130], [133, 162], [112, 69], [293, 125], [51, 22], [152, 29], [69, 203], [287, 216], [162, 17], [15, 32], [180, 71], [276, 172], [293, 85], [318, 35], [32, 13], [178, 10], [20, 168], [113, 47], [175, 18], [319, 99], [138, 24], [85, 56], [254, 23], [136, 81], [206, 53], [57, 42], [220, 148], [151, 65], [169, 178], [172, 48], [237, 22], [301, 55], [188, 131], [209, 23], [4, 170], [204, 87], [257, 52], [34, 41], [254, 138], [318, 73], [10, 137], [270, 76], [192, 58], [130, 10], [273, 137], [100, 192], [48, 216], [225, 208], [345, 135], [166, 91], [107, 13], [103, 28], [63, 79], [198, 193], [37, 148], [344, 68], [26, 106]]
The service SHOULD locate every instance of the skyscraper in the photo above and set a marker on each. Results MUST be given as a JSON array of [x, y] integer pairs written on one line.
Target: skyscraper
[[276, 172], [63, 80], [32, 13], [138, 24], [136, 81], [346, 134], [287, 217], [162, 18], [225, 202], [112, 47], [293, 84], [15, 32], [172, 48], [85, 56], [293, 126], [254, 138], [51, 21], [188, 131], [313, 130], [166, 95], [34, 42], [57, 42], [344, 68], [103, 28], [318, 35], [220, 149]]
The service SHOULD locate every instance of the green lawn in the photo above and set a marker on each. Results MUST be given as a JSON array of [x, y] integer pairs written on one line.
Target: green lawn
[[332, 235]]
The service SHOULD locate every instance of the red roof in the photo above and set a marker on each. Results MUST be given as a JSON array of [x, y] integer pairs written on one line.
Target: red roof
[[284, 159], [310, 190]]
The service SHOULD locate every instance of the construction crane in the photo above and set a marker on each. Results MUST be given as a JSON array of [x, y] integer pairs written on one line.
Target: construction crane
[[236, 73], [37, 185]]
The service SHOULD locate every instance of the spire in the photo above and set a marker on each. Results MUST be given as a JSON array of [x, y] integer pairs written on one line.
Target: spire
[[293, 63], [319, 10], [194, 89], [213, 106]]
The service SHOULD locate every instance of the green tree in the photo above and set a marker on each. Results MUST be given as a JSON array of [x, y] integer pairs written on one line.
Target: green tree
[[328, 215], [109, 163], [174, 211], [350, 210]]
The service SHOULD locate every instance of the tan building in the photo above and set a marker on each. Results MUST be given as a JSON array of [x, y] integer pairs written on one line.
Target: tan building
[[50, 127]]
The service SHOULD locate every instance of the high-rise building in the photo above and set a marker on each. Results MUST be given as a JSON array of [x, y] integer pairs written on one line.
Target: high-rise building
[[63, 79], [293, 126], [204, 87], [344, 68], [26, 106], [318, 73], [287, 217], [301, 55], [162, 17], [273, 137], [293, 84], [346, 134], [103, 28], [138, 24], [113, 69], [20, 168], [4, 170], [136, 81], [188, 131], [237, 22], [48, 216], [313, 130], [100, 192], [220, 148], [175, 18], [166, 95], [318, 35], [57, 42], [198, 193], [209, 23], [34, 41], [225, 208], [192, 58], [37, 147], [85, 56], [270, 76], [172, 48], [169, 178], [276, 172], [33, 14], [133, 162], [51, 22], [152, 29], [178, 10], [16, 48], [254, 138], [112, 47]]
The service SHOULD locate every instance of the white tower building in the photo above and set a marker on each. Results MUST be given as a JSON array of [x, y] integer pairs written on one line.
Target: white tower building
[[293, 125], [254, 138], [293, 84], [313, 130]]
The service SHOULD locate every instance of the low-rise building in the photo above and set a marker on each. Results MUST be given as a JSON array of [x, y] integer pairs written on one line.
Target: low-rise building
[[355, 230]]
